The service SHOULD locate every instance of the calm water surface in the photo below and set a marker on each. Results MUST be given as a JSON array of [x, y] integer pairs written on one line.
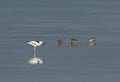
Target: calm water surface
[[49, 20]]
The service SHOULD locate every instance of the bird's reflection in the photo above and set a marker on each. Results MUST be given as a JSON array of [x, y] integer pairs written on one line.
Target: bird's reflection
[[35, 60]]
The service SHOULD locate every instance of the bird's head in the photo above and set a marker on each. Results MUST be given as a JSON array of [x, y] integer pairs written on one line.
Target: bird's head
[[44, 44]]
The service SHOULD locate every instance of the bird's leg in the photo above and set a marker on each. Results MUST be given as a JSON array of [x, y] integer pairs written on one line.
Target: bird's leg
[[34, 51]]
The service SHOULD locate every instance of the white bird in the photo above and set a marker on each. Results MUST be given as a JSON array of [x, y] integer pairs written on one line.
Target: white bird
[[35, 60], [35, 43]]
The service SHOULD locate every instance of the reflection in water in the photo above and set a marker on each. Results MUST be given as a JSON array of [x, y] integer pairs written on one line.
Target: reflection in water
[[35, 61], [92, 41], [60, 42], [74, 42]]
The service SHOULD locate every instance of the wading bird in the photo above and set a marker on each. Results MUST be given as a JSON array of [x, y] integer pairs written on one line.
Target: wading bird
[[73, 42], [92, 41], [60, 42], [35, 60]]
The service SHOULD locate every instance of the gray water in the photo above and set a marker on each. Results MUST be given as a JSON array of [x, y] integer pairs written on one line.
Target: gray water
[[50, 20]]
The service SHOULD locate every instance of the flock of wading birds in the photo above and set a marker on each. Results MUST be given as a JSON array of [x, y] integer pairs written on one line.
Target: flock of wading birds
[[74, 42]]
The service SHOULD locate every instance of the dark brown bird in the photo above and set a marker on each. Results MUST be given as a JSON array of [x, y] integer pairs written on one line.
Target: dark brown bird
[[73, 42], [60, 42]]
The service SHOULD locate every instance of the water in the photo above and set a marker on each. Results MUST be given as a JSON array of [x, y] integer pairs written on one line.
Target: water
[[50, 20]]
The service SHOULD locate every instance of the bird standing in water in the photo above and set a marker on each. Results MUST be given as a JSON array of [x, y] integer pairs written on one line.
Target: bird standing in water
[[35, 60], [92, 41], [73, 42]]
